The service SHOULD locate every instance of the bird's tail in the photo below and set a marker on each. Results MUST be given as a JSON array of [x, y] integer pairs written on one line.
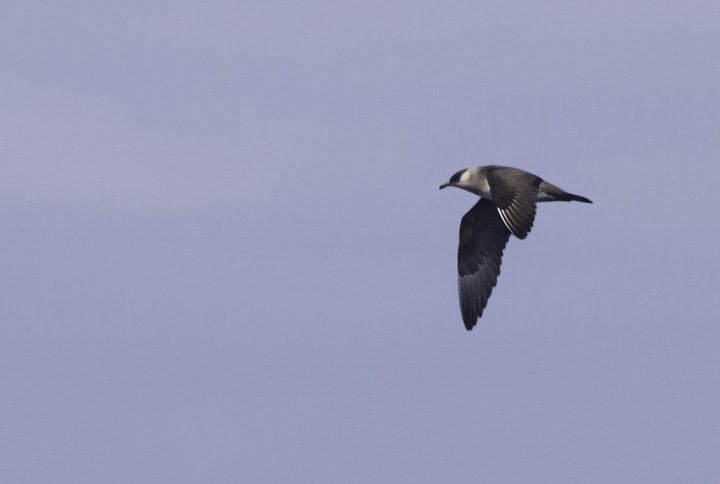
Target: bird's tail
[[548, 192], [569, 197]]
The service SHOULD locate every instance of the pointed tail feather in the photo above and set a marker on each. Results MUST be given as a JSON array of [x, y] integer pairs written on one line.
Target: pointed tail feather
[[550, 193], [568, 197]]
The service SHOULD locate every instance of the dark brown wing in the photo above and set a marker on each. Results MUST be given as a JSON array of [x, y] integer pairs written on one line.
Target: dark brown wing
[[514, 192], [483, 236]]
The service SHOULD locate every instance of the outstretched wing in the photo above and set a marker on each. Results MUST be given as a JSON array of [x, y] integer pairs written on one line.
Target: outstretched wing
[[483, 236], [514, 192]]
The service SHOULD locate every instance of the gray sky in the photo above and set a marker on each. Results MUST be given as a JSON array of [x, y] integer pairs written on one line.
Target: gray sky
[[225, 257]]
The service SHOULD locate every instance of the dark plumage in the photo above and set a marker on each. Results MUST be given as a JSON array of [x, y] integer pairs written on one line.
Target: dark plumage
[[507, 206]]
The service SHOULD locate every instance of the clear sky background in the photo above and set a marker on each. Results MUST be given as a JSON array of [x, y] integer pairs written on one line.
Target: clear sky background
[[224, 256]]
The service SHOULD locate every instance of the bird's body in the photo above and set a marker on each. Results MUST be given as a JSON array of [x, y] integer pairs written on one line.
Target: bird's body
[[507, 206]]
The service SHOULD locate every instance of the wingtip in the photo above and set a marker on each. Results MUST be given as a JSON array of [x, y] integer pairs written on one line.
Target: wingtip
[[470, 320]]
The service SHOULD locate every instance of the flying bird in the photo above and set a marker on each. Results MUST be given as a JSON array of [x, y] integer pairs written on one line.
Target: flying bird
[[507, 206]]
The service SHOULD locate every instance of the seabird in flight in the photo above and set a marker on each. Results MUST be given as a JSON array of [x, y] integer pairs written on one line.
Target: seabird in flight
[[507, 206]]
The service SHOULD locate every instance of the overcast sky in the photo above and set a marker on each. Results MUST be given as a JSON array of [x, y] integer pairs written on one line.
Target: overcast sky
[[224, 256]]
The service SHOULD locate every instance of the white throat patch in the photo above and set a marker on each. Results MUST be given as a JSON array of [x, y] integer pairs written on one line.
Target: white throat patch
[[476, 184]]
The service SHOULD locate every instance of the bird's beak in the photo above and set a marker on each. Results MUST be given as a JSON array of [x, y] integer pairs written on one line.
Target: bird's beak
[[444, 185]]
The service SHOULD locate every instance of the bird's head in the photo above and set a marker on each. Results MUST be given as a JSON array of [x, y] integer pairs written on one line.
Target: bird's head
[[456, 180], [470, 179]]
